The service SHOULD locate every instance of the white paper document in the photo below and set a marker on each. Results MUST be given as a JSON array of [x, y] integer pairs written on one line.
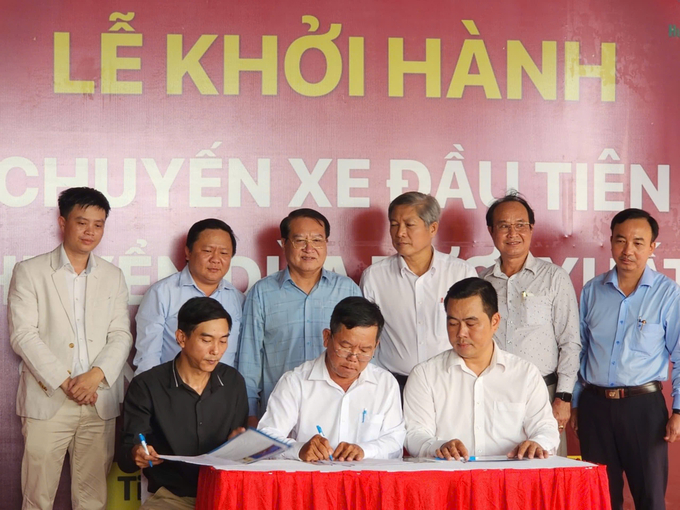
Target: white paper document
[[391, 465], [245, 448]]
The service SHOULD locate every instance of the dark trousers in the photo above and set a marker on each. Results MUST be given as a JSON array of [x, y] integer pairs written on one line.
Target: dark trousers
[[627, 436]]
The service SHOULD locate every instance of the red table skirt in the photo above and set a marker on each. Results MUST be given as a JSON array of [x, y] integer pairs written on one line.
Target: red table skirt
[[507, 489]]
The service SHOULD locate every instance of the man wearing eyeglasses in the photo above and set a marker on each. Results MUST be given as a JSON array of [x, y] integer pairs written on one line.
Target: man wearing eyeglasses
[[285, 313], [339, 406], [537, 304]]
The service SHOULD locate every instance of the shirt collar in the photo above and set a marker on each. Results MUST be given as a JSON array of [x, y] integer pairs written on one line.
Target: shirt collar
[[176, 380], [185, 279], [65, 262], [434, 263], [646, 280], [319, 372], [529, 264], [499, 357], [284, 276]]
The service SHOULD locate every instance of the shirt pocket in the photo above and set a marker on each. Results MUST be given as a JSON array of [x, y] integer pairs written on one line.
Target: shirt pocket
[[508, 421], [536, 310], [371, 426], [648, 340]]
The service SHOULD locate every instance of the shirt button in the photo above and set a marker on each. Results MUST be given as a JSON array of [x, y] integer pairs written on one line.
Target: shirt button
[[618, 342], [620, 322], [613, 362], [70, 345]]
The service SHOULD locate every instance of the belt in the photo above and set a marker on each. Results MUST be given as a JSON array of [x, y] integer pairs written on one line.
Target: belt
[[550, 379], [625, 391]]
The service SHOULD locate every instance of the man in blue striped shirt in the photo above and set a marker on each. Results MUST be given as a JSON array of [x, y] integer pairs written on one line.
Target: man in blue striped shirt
[[630, 326], [285, 313]]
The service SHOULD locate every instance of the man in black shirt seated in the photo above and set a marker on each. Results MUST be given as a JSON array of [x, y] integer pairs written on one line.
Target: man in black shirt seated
[[188, 406]]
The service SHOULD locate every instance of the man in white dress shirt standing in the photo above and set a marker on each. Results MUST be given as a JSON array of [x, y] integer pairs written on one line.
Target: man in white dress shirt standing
[[537, 304], [410, 286], [476, 399], [355, 405]]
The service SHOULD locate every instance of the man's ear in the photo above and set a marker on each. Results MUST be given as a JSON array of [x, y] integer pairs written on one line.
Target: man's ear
[[495, 321], [181, 338]]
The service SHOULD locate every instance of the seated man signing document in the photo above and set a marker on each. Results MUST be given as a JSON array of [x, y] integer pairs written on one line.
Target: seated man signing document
[[187, 406], [477, 400], [338, 406]]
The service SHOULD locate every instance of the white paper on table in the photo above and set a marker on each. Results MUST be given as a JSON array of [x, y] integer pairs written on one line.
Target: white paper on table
[[496, 458], [392, 465], [246, 448]]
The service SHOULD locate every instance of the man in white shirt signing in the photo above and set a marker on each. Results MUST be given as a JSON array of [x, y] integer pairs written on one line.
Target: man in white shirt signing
[[338, 405], [476, 399]]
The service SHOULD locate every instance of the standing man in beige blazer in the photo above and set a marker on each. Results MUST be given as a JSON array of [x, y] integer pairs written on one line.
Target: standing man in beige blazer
[[69, 322]]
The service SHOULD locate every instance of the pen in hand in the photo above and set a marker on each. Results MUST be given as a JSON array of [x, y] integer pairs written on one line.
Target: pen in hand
[[142, 440], [320, 430]]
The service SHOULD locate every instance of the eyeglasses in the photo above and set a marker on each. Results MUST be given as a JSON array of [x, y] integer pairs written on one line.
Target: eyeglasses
[[315, 242], [517, 227], [346, 353]]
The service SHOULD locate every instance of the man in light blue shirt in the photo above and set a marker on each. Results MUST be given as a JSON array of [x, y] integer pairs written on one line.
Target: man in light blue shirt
[[285, 313], [209, 248], [630, 326]]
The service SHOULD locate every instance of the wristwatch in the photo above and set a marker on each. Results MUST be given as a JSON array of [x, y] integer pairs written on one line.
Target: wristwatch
[[676, 411], [565, 397]]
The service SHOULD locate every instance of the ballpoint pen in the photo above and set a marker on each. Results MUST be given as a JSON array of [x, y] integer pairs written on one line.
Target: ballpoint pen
[[142, 440], [320, 430]]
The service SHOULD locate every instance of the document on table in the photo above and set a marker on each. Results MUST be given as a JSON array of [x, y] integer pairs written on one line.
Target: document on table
[[495, 458], [245, 448], [481, 458]]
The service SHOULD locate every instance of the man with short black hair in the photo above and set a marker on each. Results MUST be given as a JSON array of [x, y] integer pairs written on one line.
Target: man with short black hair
[[476, 399], [355, 404], [68, 320], [187, 406], [210, 246], [285, 313], [630, 327], [537, 305], [410, 285]]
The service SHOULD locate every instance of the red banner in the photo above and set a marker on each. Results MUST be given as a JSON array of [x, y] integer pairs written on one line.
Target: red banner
[[179, 111]]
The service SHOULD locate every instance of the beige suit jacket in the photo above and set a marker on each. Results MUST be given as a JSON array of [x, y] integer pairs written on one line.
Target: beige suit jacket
[[42, 332]]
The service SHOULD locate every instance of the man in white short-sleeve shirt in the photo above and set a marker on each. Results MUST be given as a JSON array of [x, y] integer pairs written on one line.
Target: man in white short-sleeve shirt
[[410, 286], [476, 399]]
